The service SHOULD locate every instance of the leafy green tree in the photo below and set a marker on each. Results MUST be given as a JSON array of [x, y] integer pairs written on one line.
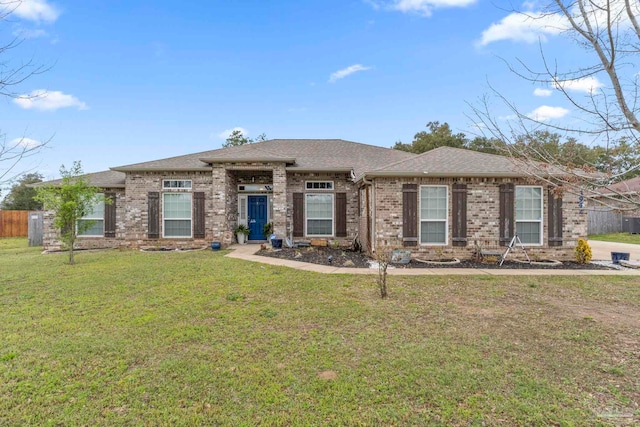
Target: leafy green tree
[[70, 200], [238, 138], [621, 161], [486, 145], [21, 196], [438, 135], [548, 147]]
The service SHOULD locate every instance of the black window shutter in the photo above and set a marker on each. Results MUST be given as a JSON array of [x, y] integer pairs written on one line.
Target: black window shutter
[[110, 215], [507, 212], [459, 208], [410, 214], [298, 214], [341, 214], [198, 214], [153, 206], [554, 226]]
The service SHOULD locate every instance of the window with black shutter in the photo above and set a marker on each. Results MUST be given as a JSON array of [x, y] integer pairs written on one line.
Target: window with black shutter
[[507, 196], [410, 214], [298, 215], [459, 212], [341, 214], [198, 215], [110, 215], [153, 211], [555, 219]]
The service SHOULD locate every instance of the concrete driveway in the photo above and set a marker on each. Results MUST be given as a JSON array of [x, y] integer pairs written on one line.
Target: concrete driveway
[[602, 250]]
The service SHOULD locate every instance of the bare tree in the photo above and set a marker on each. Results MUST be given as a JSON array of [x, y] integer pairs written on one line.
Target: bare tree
[[605, 113], [13, 73]]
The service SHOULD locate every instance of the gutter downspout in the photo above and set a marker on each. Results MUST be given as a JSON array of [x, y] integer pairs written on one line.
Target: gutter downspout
[[373, 211]]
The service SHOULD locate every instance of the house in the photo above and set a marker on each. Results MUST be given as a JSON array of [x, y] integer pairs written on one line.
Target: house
[[612, 207], [446, 200]]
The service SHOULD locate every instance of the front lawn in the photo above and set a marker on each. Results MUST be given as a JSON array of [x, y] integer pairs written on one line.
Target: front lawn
[[617, 237], [132, 338]]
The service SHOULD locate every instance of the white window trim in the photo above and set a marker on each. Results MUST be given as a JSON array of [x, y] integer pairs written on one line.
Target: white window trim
[[446, 219], [190, 236], [319, 189], [333, 214], [540, 221], [189, 188], [89, 218]]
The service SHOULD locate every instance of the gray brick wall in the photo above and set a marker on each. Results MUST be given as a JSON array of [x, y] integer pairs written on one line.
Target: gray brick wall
[[482, 217]]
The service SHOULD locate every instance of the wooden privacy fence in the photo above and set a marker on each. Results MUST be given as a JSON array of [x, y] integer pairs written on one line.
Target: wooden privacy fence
[[602, 220], [14, 223]]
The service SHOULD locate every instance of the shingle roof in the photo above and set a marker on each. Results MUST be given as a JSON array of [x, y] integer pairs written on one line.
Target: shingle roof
[[449, 161], [105, 179], [331, 155], [623, 187], [309, 154]]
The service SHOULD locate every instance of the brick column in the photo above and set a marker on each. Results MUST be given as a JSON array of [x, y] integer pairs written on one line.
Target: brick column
[[280, 200], [219, 205]]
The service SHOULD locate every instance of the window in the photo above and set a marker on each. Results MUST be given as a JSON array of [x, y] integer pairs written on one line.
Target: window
[[177, 214], [433, 215], [529, 214], [176, 183], [96, 217], [242, 207], [319, 185], [319, 214]]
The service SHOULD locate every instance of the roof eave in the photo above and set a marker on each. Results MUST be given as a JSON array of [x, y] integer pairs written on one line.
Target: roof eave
[[316, 169], [44, 184], [441, 174], [158, 169], [249, 160]]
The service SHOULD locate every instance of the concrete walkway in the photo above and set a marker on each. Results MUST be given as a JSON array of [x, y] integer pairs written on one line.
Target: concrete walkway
[[247, 253]]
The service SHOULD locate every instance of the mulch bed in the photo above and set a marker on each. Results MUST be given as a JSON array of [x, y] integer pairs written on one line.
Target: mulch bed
[[347, 258]]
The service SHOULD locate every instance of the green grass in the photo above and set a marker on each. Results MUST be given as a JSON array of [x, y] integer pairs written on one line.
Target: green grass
[[132, 338], [617, 237]]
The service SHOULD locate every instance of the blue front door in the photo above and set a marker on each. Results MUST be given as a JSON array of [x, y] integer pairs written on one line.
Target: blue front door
[[257, 215]]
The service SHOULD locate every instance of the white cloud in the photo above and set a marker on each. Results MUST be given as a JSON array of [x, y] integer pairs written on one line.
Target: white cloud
[[227, 132], [37, 11], [422, 7], [341, 74], [542, 92], [585, 84], [525, 27], [25, 142], [530, 26], [545, 113], [43, 100]]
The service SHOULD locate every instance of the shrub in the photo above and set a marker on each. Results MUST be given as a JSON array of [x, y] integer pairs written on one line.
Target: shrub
[[583, 252]]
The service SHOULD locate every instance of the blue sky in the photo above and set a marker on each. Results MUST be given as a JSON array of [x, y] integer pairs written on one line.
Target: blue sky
[[137, 80]]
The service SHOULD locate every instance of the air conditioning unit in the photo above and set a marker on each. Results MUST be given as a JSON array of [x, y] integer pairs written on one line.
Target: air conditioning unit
[[632, 224]]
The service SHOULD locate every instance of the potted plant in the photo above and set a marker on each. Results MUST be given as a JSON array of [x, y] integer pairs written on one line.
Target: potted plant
[[268, 230], [242, 231]]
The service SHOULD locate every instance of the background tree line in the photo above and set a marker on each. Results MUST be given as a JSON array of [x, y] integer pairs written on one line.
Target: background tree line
[[621, 158]]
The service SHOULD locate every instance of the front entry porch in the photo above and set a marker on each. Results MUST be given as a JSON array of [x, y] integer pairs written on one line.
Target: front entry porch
[[255, 195]]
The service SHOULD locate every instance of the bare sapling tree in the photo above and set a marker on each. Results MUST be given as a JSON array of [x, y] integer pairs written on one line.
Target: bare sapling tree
[[383, 257], [13, 73], [604, 112]]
